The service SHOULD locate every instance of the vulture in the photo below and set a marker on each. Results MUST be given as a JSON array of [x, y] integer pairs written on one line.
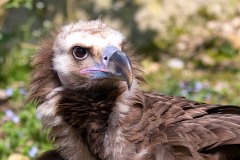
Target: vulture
[[85, 84]]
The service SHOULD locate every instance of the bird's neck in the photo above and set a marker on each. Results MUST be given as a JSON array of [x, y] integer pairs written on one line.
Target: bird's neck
[[88, 112], [89, 117], [95, 114]]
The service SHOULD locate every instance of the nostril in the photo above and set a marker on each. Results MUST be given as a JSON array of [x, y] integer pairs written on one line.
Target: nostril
[[105, 58]]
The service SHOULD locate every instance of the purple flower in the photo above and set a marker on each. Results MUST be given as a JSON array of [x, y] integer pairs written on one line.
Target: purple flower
[[33, 152], [15, 119], [198, 86], [9, 113], [9, 92], [183, 85], [22, 91]]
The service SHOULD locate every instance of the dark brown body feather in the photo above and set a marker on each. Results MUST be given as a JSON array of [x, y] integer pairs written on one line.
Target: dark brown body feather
[[169, 127], [184, 128]]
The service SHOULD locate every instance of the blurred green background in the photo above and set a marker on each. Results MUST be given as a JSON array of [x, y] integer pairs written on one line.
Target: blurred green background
[[190, 48]]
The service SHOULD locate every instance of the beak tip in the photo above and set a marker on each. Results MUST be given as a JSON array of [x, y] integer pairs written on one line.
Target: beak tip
[[129, 87], [129, 84]]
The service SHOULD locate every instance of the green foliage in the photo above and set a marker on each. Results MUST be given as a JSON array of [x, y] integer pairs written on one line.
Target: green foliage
[[21, 129], [19, 3]]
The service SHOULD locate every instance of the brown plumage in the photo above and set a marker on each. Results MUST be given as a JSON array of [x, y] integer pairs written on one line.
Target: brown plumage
[[85, 83]]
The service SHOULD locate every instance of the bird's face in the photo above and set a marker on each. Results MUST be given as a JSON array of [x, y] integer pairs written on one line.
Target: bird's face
[[87, 54]]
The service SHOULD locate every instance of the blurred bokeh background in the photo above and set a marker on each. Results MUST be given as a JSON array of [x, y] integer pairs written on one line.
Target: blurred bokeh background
[[190, 48]]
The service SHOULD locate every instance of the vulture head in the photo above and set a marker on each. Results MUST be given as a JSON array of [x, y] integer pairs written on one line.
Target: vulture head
[[85, 84], [90, 55]]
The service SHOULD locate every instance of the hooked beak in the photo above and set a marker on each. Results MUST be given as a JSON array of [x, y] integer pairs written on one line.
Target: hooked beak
[[114, 64]]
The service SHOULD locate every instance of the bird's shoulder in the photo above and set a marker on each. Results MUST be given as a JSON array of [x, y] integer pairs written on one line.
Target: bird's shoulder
[[177, 107], [174, 109]]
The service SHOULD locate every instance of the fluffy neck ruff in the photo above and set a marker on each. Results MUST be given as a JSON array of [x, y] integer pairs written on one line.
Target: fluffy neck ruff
[[88, 124], [88, 113]]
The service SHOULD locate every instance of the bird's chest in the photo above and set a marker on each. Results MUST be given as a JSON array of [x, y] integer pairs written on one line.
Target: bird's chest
[[119, 144], [116, 145], [122, 140]]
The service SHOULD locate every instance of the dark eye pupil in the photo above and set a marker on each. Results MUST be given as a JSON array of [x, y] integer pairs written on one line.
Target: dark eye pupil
[[79, 52]]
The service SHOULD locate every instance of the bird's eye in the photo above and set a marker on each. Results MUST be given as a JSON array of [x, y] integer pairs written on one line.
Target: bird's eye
[[79, 53]]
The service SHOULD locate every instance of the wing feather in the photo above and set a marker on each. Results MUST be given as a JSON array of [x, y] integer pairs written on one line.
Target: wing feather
[[193, 129]]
